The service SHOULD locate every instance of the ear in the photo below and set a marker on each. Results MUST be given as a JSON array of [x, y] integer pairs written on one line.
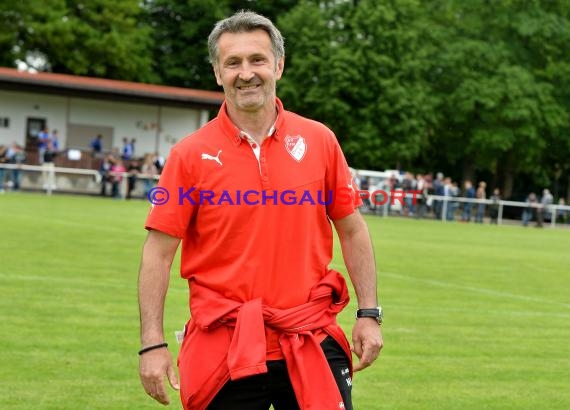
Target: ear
[[217, 74], [279, 68]]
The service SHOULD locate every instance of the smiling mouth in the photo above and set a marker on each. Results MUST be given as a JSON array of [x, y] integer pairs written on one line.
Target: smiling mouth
[[248, 87]]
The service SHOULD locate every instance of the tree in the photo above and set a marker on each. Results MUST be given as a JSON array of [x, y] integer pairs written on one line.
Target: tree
[[360, 69], [181, 29], [100, 38], [498, 111]]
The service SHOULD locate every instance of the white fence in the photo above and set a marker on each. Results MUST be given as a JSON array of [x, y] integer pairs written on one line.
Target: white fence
[[390, 202], [552, 210], [47, 177]]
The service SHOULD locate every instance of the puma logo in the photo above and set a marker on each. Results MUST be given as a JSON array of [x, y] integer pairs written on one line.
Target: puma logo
[[216, 158]]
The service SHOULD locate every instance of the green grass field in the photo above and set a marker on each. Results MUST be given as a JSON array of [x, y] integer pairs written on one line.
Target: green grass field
[[476, 317]]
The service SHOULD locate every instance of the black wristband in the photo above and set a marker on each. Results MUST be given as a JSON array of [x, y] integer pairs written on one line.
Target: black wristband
[[149, 348]]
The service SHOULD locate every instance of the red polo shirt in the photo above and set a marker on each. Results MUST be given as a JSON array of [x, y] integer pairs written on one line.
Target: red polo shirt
[[256, 227]]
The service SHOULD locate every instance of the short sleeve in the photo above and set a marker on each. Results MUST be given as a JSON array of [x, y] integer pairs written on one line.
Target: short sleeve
[[339, 180]]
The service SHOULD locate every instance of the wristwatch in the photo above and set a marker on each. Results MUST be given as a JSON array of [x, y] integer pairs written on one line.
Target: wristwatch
[[374, 313]]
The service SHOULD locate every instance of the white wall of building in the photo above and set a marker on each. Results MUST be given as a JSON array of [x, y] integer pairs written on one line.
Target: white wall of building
[[176, 124], [18, 106], [154, 128]]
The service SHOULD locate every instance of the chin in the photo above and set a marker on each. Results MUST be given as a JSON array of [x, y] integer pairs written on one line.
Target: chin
[[251, 105]]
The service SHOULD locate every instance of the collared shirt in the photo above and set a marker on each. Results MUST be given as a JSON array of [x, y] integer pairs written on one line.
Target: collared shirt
[[245, 232]]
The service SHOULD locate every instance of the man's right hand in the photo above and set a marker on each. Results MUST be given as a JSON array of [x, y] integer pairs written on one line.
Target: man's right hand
[[153, 366]]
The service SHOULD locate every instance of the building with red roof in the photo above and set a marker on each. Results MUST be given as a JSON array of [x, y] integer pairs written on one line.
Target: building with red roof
[[80, 108]]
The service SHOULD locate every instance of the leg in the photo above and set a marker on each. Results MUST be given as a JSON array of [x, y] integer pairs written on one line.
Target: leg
[[339, 365], [338, 362], [17, 177], [282, 393], [274, 387], [251, 393]]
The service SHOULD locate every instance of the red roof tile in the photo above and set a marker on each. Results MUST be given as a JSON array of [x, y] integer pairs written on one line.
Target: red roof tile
[[109, 87]]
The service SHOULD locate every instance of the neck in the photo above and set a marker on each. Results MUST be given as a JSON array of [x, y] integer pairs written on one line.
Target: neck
[[256, 123]]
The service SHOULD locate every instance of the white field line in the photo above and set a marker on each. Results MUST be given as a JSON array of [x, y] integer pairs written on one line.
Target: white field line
[[449, 285], [483, 291]]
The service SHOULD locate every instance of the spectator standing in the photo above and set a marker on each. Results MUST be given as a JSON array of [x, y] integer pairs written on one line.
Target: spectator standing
[[546, 201], [48, 166], [469, 193], [133, 169], [3, 160], [133, 147], [452, 205], [149, 171], [43, 139], [105, 173], [116, 174], [530, 212], [421, 199], [494, 207], [481, 194], [54, 138], [439, 190], [409, 184], [562, 214], [449, 191], [127, 150], [96, 145], [18, 158]]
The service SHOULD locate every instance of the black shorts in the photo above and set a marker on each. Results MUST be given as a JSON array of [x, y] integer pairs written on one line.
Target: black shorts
[[261, 391]]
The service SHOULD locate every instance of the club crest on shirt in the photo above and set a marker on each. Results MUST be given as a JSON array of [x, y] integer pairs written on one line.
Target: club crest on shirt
[[296, 147]]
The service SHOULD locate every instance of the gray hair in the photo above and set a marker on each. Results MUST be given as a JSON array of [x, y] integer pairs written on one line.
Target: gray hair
[[245, 21]]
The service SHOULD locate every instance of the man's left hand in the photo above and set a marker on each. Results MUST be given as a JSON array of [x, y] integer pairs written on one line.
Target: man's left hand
[[367, 342]]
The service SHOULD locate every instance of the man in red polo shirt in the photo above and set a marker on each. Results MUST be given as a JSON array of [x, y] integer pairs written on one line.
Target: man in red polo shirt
[[251, 196]]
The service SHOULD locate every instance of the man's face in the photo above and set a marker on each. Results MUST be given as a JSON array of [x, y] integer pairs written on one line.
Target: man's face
[[247, 70]]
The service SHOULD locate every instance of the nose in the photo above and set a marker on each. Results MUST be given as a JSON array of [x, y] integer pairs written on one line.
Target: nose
[[246, 73]]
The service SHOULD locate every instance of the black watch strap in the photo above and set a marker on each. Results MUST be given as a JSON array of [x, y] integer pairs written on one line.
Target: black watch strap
[[374, 313]]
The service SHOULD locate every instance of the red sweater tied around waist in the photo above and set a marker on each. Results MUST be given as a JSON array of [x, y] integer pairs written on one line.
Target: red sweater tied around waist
[[225, 339]]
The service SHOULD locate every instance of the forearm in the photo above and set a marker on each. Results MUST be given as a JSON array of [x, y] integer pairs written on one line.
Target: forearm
[[152, 288], [359, 259]]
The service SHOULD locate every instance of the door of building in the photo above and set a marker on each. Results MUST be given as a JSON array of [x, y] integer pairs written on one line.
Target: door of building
[[33, 128]]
